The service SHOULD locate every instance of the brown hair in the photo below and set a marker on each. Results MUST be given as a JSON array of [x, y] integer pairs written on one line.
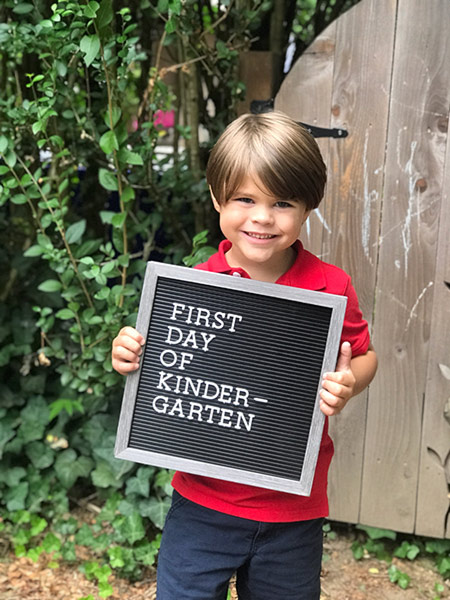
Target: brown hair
[[274, 148]]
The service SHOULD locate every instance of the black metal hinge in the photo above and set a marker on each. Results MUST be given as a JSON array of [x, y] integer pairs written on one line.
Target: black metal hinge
[[258, 107]]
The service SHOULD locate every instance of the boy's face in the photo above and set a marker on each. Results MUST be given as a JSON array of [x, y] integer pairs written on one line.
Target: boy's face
[[260, 227]]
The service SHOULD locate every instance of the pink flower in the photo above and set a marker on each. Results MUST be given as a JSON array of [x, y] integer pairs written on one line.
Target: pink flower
[[165, 118]]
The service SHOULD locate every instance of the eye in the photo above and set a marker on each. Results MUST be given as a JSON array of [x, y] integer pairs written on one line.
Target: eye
[[244, 199], [284, 204]]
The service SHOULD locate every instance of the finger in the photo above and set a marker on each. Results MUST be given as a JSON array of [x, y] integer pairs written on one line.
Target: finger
[[337, 377], [327, 410], [330, 399], [334, 388], [124, 354], [124, 341], [345, 357], [132, 333], [124, 367]]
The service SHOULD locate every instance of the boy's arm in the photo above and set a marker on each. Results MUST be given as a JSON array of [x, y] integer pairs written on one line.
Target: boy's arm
[[351, 377]]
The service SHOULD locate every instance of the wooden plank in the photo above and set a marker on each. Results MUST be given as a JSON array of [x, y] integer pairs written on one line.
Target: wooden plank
[[408, 245], [305, 95], [433, 505], [360, 104]]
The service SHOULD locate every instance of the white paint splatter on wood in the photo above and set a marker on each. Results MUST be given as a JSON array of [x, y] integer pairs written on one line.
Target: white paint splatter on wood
[[322, 220], [369, 198], [412, 313], [412, 202]]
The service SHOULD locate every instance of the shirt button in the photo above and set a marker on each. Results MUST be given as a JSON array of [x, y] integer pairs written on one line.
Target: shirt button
[[236, 274]]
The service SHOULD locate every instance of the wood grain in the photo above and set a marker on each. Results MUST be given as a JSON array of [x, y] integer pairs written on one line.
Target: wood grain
[[382, 72], [406, 272], [305, 95], [433, 503], [362, 74]]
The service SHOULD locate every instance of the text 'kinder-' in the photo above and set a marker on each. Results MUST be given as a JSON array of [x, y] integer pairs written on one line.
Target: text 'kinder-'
[[215, 403]]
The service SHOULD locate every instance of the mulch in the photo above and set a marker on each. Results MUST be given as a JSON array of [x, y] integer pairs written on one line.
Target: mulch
[[21, 578]]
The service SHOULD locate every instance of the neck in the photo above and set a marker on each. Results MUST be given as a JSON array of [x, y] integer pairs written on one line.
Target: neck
[[269, 271]]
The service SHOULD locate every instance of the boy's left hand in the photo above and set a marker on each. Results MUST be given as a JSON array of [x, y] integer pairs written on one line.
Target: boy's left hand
[[338, 387]]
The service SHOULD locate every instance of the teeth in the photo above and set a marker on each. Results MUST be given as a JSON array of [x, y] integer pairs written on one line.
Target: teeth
[[260, 236]]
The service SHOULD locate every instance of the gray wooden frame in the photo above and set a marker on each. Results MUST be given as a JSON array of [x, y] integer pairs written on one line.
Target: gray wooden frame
[[336, 303]]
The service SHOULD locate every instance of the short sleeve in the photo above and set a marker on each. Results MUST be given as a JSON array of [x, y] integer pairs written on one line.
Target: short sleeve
[[356, 329]]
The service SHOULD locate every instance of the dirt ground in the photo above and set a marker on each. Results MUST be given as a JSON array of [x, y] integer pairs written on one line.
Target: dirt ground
[[343, 578]]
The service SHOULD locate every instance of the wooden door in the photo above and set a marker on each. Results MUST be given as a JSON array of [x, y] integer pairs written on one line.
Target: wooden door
[[382, 72]]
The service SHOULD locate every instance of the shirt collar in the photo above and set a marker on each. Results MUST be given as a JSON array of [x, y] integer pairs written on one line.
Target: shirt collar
[[306, 272]]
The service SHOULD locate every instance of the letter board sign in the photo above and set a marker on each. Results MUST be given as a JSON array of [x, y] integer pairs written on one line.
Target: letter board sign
[[229, 377]]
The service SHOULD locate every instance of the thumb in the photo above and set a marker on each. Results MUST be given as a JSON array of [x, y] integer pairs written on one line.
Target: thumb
[[345, 357]]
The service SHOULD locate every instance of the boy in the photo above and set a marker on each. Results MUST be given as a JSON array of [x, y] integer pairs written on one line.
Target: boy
[[265, 174]]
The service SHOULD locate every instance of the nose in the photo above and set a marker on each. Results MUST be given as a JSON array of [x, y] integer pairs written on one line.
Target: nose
[[261, 214]]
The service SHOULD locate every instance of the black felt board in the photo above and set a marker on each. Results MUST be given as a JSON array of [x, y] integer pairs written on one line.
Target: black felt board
[[272, 347]]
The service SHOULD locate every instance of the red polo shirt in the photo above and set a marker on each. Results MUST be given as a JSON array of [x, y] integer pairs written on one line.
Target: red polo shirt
[[308, 272]]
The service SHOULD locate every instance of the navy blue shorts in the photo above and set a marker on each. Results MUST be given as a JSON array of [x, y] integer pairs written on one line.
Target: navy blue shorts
[[201, 549]]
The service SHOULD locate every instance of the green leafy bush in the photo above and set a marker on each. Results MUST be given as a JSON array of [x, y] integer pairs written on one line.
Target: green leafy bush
[[85, 200]]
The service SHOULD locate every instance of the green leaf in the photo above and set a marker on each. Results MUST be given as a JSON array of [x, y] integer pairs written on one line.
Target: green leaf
[[37, 525], [222, 49], [19, 199], [51, 543], [156, 510], [140, 484], [108, 180], [75, 232], [375, 533], [357, 550], [105, 590], [133, 528], [106, 216], [38, 126], [3, 145], [146, 552], [12, 476], [10, 158], [108, 142], [398, 577], [6, 433], [34, 553], [407, 550], [23, 8], [116, 113], [443, 564], [91, 10], [40, 455], [50, 285], [131, 158], [170, 26], [68, 467], [64, 314], [66, 404], [90, 46], [32, 251], [103, 477], [438, 546], [34, 417], [15, 497], [119, 219], [128, 194], [105, 14]]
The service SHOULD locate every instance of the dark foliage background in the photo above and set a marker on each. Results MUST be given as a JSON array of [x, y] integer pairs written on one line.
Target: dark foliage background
[[91, 187]]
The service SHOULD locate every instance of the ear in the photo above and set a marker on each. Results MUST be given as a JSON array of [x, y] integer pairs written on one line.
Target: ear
[[306, 215], [214, 201]]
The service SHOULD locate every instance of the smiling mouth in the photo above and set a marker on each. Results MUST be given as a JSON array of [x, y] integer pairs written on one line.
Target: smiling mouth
[[260, 236]]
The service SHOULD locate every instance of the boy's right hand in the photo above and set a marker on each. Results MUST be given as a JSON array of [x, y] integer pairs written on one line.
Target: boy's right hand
[[126, 350]]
